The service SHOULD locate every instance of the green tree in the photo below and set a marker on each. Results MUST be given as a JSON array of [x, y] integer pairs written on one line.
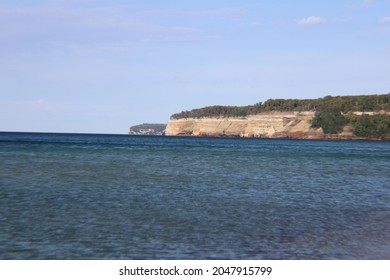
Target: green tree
[[331, 121]]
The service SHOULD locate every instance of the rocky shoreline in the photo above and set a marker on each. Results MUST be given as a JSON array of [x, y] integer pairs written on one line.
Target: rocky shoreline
[[288, 125]]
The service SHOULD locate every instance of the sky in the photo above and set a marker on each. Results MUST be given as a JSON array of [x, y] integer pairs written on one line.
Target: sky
[[100, 66]]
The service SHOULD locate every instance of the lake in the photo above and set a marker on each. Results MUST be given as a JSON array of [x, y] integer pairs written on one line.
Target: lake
[[82, 196]]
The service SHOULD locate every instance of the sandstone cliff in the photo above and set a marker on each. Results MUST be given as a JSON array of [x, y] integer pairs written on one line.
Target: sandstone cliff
[[330, 117], [273, 124]]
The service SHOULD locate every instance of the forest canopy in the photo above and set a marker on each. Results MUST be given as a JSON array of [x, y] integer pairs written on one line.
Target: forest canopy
[[343, 104]]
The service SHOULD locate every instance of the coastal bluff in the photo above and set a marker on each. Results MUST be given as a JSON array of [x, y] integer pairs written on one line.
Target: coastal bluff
[[275, 124], [330, 117]]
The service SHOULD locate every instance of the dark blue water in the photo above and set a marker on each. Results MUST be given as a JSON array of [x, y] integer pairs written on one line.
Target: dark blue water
[[65, 196]]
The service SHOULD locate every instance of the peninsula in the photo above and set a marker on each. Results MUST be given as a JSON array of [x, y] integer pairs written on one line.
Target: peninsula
[[148, 129], [330, 117]]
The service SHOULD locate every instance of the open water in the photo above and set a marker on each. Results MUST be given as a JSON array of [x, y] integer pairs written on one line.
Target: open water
[[70, 196]]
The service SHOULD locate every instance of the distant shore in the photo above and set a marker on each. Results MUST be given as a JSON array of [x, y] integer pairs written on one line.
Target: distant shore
[[363, 117]]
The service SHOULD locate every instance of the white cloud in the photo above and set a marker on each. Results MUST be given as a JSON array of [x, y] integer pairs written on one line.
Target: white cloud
[[385, 19], [310, 20]]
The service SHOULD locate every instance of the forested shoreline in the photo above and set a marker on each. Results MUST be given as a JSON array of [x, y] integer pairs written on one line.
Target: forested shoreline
[[333, 113]]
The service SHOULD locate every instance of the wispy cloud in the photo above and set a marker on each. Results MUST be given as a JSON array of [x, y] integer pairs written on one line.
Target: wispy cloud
[[36, 105], [310, 20], [223, 12], [368, 2], [385, 20], [361, 4], [41, 104], [114, 27]]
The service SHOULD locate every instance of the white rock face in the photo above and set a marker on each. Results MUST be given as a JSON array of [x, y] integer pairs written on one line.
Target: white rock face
[[268, 125]]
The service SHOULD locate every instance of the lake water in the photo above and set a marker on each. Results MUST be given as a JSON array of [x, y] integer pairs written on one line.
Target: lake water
[[70, 196]]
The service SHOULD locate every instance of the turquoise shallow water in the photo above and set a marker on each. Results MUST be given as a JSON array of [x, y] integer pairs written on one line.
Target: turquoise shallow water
[[69, 196]]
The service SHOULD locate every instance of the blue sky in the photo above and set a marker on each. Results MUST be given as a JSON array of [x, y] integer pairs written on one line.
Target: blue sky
[[99, 66]]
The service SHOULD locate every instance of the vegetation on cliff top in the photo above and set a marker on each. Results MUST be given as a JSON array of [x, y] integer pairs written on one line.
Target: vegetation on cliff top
[[156, 126], [344, 104], [332, 112], [148, 129]]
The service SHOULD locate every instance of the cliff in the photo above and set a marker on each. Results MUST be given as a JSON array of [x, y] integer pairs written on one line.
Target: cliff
[[268, 125], [339, 117]]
